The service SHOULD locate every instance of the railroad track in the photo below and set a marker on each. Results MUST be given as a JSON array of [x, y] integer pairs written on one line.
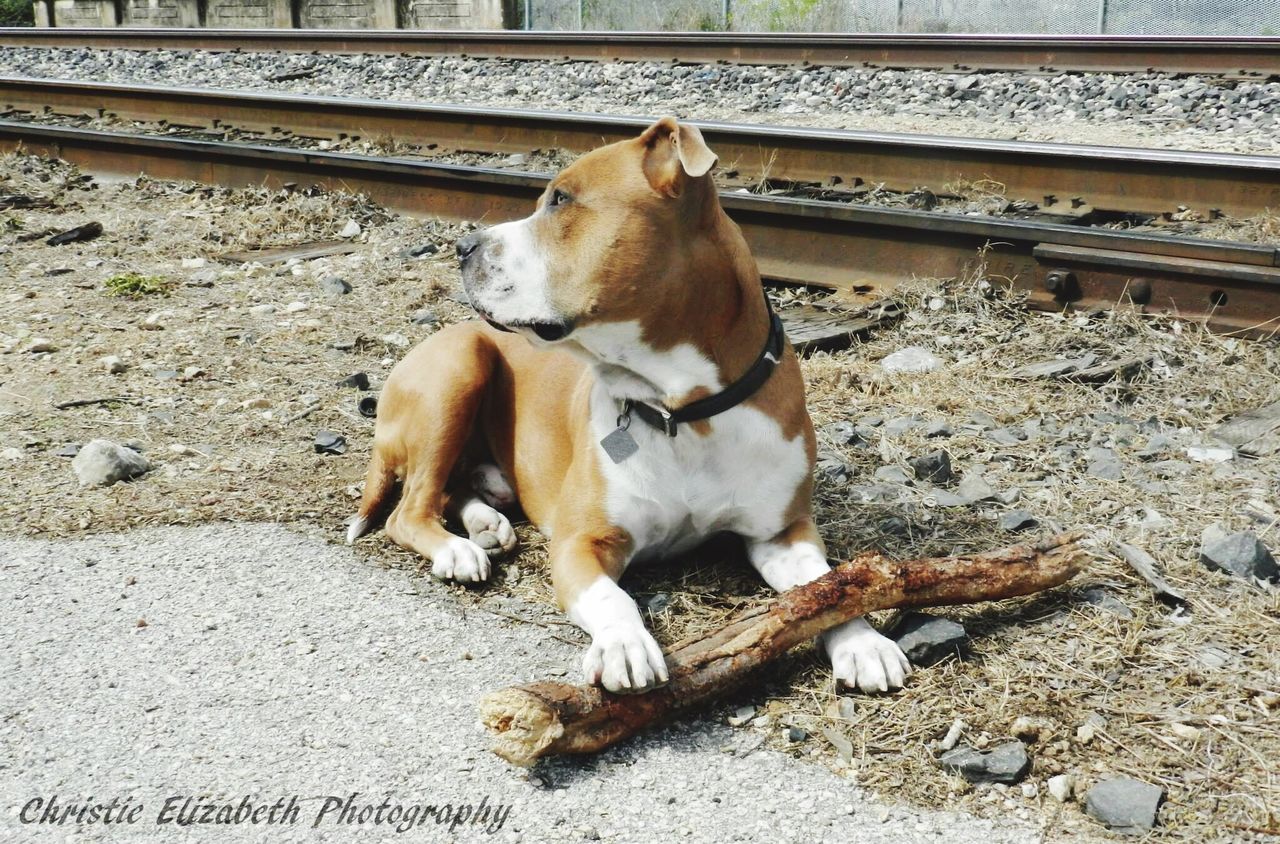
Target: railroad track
[[863, 251], [1227, 55], [1107, 180]]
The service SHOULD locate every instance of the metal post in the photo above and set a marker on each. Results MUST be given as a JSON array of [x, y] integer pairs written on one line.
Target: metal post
[[1102, 17], [901, 13], [726, 11], [528, 14], [581, 3]]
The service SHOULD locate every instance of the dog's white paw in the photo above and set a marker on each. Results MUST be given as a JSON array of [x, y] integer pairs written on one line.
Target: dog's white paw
[[460, 559], [478, 517], [625, 659], [862, 658]]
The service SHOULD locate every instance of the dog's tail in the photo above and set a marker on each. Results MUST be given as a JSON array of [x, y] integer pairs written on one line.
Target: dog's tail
[[377, 483]]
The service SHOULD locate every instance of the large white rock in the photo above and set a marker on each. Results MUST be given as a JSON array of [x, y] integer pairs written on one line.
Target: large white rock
[[911, 359], [102, 463]]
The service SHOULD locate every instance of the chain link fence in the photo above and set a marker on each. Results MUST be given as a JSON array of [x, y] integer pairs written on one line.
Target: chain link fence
[[1113, 17]]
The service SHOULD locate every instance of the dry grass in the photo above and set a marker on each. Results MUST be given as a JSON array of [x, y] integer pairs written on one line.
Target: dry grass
[[1186, 699]]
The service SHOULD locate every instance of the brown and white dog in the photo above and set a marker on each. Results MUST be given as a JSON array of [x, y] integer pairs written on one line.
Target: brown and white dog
[[628, 285]]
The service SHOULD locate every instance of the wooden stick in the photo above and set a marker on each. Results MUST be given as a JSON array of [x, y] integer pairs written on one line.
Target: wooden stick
[[548, 718]]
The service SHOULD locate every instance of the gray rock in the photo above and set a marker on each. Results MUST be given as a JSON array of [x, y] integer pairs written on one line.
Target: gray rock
[[1009, 496], [1016, 520], [795, 735], [425, 316], [1171, 469], [742, 715], [103, 463], [1125, 805], [938, 428], [875, 493], [327, 442], [1107, 470], [1104, 600], [68, 450], [421, 251], [926, 639], [946, 498], [357, 380], [1007, 763], [659, 603], [871, 421], [911, 359], [893, 475], [900, 425], [337, 285], [1006, 436], [895, 526], [983, 421], [841, 433], [974, 488], [1157, 446], [1241, 554], [833, 470], [934, 467]]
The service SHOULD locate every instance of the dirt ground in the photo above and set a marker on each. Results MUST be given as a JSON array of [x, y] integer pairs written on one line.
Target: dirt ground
[[231, 369]]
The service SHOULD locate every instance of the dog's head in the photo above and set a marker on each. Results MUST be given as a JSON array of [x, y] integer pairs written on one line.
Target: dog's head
[[609, 241]]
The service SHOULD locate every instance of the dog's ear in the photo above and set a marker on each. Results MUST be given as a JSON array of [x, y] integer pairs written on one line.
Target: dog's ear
[[673, 153]]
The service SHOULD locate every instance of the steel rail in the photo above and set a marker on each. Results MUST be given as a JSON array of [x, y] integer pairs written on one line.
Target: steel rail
[[860, 250], [1112, 53], [1116, 179]]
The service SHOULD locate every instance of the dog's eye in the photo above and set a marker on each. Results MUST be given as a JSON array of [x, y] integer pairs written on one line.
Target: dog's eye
[[558, 197]]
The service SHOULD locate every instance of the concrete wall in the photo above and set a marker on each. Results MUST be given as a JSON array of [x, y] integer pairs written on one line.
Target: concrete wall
[[261, 14], [248, 14], [160, 13], [452, 14], [84, 13], [347, 14]]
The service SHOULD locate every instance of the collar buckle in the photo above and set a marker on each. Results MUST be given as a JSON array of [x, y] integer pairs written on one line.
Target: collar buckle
[[668, 421]]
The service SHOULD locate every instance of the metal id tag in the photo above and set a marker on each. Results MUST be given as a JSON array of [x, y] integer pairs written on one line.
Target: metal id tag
[[619, 444]]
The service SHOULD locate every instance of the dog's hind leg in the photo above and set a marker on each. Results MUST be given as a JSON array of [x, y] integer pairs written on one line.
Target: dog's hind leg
[[426, 417]]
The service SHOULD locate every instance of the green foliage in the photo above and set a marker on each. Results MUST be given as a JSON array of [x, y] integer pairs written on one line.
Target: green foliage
[[787, 15], [17, 13], [711, 23], [135, 285]]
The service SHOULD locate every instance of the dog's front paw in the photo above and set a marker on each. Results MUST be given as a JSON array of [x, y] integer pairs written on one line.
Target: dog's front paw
[[862, 658], [625, 660], [460, 559]]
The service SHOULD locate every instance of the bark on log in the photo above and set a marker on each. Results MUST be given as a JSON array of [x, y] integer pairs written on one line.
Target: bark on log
[[549, 718]]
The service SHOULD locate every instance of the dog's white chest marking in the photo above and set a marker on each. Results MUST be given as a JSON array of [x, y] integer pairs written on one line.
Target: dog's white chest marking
[[676, 491]]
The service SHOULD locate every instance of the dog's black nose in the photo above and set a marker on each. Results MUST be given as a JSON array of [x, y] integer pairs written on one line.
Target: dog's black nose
[[468, 245]]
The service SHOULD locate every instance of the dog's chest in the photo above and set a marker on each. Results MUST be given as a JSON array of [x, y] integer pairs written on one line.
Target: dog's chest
[[676, 491]]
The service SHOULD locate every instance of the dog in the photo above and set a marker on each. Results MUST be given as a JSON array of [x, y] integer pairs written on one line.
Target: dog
[[630, 388]]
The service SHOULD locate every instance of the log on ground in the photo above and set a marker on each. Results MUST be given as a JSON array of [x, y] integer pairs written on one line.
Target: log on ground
[[549, 718]]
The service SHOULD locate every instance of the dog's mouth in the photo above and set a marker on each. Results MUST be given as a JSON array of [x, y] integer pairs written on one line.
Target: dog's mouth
[[549, 332]]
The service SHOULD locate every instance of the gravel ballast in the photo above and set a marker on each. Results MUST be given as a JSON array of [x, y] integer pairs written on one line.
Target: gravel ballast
[[1149, 109]]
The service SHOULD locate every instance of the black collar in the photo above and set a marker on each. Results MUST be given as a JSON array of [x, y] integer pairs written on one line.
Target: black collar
[[731, 396]]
